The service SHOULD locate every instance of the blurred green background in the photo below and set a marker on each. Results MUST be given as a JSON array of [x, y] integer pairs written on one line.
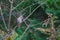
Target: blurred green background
[[50, 6]]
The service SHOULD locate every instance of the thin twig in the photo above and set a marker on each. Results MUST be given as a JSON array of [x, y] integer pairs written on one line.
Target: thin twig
[[3, 18], [27, 18], [18, 5], [28, 26], [24, 31], [34, 10], [23, 9], [25, 22], [15, 27], [11, 2], [1, 26]]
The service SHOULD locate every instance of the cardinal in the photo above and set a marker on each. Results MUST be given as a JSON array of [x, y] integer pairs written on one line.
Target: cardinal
[[19, 20]]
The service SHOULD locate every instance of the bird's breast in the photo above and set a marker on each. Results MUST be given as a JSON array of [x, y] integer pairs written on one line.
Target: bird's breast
[[19, 20]]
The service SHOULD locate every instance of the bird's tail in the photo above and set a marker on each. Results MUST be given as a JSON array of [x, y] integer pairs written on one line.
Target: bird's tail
[[19, 25]]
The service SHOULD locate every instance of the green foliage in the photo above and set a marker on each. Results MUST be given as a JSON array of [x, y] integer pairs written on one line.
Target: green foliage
[[51, 6]]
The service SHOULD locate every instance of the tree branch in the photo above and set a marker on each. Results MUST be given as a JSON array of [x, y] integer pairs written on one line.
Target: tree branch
[[18, 5], [11, 2], [3, 18]]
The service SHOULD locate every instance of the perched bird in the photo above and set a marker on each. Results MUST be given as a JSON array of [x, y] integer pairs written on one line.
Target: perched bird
[[19, 20]]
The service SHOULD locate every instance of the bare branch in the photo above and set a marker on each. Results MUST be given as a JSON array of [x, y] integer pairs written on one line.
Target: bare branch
[[24, 31], [34, 10], [11, 2], [27, 18], [18, 5], [1, 26], [3, 18]]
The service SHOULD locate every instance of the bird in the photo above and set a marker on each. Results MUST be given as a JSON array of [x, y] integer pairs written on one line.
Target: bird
[[19, 20], [39, 14]]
